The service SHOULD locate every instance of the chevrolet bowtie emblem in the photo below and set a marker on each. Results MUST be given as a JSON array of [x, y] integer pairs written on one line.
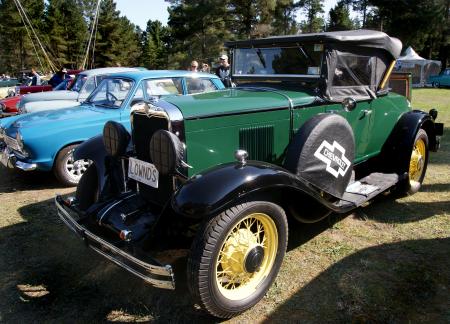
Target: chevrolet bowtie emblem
[[334, 157]]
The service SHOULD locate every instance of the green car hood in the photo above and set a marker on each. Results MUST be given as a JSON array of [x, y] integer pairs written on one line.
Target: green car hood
[[232, 101]]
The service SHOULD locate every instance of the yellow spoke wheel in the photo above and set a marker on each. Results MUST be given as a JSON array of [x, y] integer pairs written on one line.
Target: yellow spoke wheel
[[417, 162], [247, 256], [236, 256]]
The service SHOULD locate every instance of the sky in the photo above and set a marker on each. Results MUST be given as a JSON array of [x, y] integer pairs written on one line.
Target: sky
[[140, 11]]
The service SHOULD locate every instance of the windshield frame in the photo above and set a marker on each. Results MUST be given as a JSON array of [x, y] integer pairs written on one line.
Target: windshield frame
[[300, 47], [78, 76], [125, 100]]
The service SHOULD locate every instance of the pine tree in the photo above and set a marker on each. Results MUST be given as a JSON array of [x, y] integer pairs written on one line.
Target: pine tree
[[284, 18], [313, 22], [17, 52], [66, 31], [116, 41], [154, 51], [197, 31], [340, 18]]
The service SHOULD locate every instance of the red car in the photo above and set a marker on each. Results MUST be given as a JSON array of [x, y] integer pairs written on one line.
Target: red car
[[8, 106]]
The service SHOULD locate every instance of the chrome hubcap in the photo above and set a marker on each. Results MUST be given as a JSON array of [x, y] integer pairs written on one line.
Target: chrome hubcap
[[75, 169]]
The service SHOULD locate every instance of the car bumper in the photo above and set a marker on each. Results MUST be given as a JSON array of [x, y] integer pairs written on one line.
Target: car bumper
[[7, 114], [156, 275], [10, 160]]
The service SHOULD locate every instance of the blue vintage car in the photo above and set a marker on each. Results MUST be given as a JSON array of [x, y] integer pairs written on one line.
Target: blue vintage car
[[46, 140], [441, 80]]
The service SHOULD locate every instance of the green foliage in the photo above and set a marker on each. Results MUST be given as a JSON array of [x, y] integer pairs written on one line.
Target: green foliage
[[340, 18], [65, 30], [313, 22], [16, 50], [116, 41]]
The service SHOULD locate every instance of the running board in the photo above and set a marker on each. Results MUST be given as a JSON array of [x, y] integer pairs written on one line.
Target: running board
[[365, 189]]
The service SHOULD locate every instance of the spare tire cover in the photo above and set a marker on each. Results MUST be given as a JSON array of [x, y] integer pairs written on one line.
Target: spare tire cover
[[322, 153]]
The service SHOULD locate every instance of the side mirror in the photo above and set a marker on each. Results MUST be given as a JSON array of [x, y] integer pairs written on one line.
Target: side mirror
[[349, 104]]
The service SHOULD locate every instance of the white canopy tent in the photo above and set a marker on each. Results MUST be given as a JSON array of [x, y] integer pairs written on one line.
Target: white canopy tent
[[420, 68]]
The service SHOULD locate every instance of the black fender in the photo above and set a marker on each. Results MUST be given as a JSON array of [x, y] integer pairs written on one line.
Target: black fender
[[223, 186], [94, 150], [396, 151]]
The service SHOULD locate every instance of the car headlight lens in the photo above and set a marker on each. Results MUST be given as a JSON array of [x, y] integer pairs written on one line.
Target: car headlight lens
[[115, 138], [166, 152]]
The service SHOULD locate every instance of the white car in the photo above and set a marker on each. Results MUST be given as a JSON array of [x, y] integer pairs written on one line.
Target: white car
[[83, 85]]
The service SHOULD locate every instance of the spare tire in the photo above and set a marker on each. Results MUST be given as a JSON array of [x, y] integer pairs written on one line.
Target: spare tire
[[322, 153]]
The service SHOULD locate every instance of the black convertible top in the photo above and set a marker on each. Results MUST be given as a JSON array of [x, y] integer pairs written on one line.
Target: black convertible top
[[361, 37]]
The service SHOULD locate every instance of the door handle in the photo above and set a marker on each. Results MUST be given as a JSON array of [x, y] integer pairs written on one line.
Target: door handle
[[366, 112]]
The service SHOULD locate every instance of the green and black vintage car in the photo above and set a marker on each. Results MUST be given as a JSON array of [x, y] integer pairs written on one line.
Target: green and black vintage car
[[310, 129]]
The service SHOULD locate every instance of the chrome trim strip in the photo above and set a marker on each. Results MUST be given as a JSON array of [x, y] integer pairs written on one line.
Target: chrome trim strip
[[109, 250]]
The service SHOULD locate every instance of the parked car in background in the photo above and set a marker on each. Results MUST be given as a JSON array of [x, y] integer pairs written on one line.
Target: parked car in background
[[441, 80], [46, 140], [83, 85], [310, 129], [7, 85], [9, 105]]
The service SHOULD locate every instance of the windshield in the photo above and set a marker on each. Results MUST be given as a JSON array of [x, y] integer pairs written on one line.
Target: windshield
[[305, 60], [78, 83], [111, 92]]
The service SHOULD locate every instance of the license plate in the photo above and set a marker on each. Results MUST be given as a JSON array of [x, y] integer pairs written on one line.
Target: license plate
[[4, 157], [143, 172]]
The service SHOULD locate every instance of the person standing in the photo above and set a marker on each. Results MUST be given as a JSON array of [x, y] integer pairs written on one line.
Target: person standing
[[194, 66], [223, 71], [35, 77], [57, 78]]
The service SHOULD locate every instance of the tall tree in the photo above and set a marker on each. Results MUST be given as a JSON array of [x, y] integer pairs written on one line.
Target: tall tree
[[313, 22], [154, 51], [284, 17], [17, 51], [340, 18], [247, 18], [116, 40], [197, 30], [66, 30]]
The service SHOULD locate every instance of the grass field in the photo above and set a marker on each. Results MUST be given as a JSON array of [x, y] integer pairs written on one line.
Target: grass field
[[387, 262]]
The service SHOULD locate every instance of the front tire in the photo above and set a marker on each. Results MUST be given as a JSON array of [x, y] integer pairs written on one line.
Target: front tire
[[436, 84], [236, 256], [67, 171]]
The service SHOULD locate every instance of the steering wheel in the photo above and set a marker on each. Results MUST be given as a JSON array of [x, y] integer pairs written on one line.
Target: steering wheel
[[110, 96]]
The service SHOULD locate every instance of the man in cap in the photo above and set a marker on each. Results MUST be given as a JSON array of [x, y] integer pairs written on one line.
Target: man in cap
[[223, 71]]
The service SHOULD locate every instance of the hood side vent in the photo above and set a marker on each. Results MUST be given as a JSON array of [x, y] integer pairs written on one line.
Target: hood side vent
[[258, 141]]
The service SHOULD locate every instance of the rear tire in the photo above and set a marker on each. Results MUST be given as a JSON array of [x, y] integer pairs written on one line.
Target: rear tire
[[436, 85], [88, 189], [236, 256], [67, 171], [417, 165]]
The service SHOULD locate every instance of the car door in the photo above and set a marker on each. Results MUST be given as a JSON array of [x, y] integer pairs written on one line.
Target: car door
[[359, 117]]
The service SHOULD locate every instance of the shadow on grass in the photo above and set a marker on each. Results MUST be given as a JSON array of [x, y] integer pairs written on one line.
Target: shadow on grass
[[47, 273], [391, 283], [16, 180]]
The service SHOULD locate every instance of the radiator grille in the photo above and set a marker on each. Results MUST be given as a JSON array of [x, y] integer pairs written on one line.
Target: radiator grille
[[258, 142], [143, 129]]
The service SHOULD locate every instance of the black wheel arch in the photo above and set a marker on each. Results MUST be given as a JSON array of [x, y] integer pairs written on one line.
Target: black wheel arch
[[396, 151], [93, 149], [226, 185]]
